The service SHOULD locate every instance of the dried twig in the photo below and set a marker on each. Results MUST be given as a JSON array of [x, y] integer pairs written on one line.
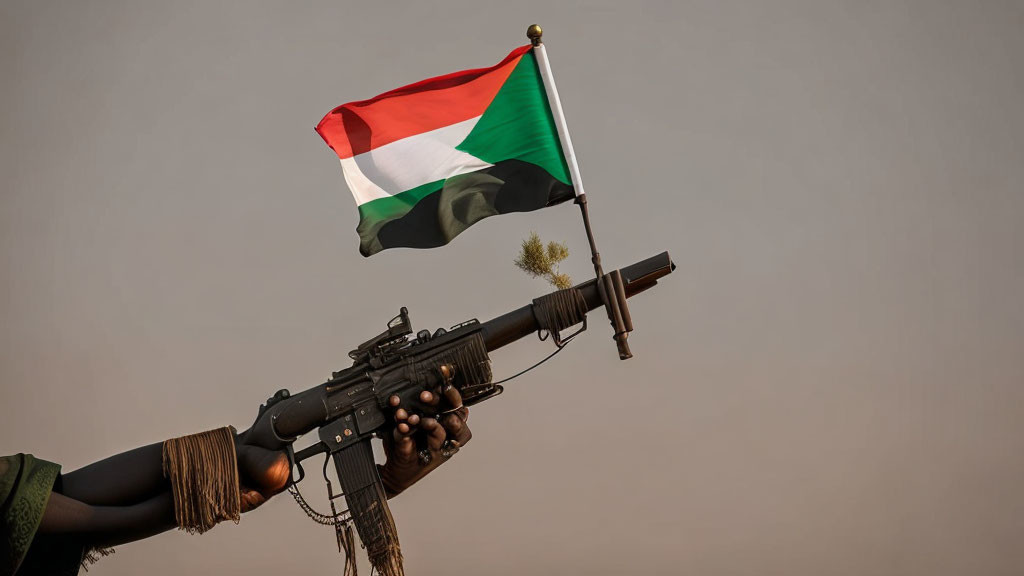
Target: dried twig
[[541, 261]]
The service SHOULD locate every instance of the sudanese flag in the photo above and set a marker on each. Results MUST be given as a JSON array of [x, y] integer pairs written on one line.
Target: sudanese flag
[[428, 160]]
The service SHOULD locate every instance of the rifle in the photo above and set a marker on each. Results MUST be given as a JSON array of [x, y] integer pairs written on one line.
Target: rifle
[[351, 408]]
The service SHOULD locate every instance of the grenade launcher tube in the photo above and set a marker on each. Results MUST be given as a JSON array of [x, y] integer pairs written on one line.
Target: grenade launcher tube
[[636, 278]]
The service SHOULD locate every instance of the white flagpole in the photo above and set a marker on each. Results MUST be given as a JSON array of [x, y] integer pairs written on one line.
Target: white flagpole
[[608, 285], [534, 33]]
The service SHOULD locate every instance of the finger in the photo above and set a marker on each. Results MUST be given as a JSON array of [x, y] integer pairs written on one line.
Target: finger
[[428, 398], [435, 433], [452, 424], [250, 499], [394, 401], [452, 396], [399, 439], [463, 413], [413, 420], [405, 449], [401, 414], [401, 431], [457, 429], [450, 448]]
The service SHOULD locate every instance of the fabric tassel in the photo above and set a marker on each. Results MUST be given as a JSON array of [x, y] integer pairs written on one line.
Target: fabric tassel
[[203, 470], [347, 544], [93, 555]]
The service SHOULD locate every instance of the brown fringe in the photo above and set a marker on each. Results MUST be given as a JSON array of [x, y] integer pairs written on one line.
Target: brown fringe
[[379, 533], [203, 469], [376, 527], [389, 562], [347, 542], [93, 555]]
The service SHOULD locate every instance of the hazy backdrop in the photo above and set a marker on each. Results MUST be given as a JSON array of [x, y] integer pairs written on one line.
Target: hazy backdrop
[[831, 383]]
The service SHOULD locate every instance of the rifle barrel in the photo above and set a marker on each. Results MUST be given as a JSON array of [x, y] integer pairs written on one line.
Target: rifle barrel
[[636, 278]]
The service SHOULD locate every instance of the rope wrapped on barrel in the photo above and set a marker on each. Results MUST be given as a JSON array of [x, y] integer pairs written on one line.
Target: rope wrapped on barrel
[[559, 310]]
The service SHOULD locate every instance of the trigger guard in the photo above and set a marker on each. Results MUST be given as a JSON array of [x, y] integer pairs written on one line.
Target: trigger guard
[[293, 465]]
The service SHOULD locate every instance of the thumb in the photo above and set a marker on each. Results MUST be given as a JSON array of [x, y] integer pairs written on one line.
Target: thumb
[[266, 471]]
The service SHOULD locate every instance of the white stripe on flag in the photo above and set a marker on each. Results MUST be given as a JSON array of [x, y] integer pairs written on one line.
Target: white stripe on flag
[[410, 162]]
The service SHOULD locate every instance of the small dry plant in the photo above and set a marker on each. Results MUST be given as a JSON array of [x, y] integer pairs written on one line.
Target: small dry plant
[[541, 261]]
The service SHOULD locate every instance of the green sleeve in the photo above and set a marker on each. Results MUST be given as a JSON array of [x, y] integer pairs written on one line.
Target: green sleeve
[[25, 486]]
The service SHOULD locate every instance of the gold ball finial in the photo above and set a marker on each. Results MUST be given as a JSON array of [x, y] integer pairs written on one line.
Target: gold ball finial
[[534, 33]]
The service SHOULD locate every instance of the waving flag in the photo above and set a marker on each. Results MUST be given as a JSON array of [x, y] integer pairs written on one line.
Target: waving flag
[[426, 161]]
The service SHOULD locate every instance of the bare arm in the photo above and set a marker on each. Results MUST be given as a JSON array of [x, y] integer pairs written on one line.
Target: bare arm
[[107, 525], [124, 479], [126, 497]]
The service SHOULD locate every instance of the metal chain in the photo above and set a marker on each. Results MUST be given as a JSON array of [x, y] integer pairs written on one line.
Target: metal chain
[[342, 523], [324, 519]]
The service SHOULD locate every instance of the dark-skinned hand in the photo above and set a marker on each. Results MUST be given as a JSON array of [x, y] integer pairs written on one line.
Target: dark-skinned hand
[[264, 473], [443, 437]]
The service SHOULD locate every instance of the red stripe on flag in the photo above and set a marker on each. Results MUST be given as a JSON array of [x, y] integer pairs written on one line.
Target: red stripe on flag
[[359, 127]]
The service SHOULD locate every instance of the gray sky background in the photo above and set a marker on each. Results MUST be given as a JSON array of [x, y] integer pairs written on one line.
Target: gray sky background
[[831, 383]]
